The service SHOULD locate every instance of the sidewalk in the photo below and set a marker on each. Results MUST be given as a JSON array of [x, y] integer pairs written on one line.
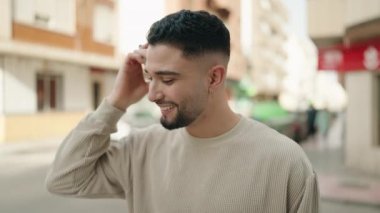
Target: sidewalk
[[342, 184], [25, 147], [337, 182]]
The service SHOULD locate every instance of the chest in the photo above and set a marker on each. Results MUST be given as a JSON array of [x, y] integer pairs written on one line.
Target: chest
[[214, 180]]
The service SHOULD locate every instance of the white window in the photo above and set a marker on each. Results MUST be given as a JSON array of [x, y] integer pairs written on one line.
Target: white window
[[103, 24], [55, 15]]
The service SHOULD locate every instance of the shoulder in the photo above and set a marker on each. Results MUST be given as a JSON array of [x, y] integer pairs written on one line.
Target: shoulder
[[267, 136], [272, 144]]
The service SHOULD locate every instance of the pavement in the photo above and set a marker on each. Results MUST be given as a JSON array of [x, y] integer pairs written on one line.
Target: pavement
[[337, 182], [23, 168]]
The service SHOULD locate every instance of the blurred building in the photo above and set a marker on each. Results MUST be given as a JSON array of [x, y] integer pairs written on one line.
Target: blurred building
[[347, 33], [299, 84], [229, 12], [267, 54], [57, 60]]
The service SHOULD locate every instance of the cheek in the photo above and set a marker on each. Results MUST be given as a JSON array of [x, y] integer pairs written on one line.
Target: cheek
[[198, 94], [192, 92], [202, 88], [174, 94]]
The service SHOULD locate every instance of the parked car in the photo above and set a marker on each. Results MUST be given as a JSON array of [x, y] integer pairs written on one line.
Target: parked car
[[292, 124]]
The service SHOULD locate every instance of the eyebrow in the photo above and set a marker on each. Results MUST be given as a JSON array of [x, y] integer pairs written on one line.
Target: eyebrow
[[164, 72]]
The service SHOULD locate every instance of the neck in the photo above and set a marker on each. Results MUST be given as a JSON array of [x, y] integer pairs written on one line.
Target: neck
[[216, 120]]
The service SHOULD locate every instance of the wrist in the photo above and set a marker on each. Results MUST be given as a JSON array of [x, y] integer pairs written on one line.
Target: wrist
[[108, 114], [117, 103]]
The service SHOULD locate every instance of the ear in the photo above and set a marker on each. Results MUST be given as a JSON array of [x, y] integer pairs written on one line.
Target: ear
[[216, 77]]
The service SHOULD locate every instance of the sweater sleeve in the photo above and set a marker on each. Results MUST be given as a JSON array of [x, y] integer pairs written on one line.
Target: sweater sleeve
[[87, 164], [303, 188], [309, 202]]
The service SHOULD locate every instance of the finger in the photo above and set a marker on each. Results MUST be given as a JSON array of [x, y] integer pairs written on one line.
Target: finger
[[141, 53], [136, 57]]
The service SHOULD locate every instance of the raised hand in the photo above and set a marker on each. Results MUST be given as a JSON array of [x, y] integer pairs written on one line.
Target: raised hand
[[130, 86]]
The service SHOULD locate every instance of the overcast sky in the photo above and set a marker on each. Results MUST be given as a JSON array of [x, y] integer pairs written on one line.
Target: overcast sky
[[297, 16]]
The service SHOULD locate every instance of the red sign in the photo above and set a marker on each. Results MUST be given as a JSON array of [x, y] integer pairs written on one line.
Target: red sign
[[359, 56], [331, 58]]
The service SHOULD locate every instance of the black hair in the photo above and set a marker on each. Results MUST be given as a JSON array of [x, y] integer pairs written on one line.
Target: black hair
[[194, 32]]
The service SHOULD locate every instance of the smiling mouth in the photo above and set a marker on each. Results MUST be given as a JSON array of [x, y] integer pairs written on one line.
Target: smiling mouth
[[167, 109]]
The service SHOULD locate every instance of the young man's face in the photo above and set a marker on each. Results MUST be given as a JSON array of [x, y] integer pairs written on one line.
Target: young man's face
[[178, 85]]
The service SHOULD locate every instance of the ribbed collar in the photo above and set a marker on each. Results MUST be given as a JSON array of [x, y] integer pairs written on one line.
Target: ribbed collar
[[223, 138]]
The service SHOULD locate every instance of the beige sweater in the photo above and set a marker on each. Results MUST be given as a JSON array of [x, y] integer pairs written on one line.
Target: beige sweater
[[250, 168]]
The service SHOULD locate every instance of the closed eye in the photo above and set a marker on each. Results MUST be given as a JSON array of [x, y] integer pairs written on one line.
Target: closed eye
[[166, 76], [168, 81]]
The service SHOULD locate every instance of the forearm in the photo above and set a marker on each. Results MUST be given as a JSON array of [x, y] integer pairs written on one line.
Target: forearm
[[79, 163]]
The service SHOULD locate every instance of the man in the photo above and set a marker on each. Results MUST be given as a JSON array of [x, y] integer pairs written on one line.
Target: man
[[211, 160]]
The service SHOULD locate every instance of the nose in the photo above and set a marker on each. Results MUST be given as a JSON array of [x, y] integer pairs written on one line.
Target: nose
[[154, 93]]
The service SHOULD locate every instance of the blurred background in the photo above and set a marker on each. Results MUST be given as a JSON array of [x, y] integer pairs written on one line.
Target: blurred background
[[307, 68]]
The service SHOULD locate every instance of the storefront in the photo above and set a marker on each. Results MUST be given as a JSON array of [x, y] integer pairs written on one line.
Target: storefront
[[358, 62]]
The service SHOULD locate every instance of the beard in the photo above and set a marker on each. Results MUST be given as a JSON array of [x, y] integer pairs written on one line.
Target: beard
[[183, 118], [186, 111]]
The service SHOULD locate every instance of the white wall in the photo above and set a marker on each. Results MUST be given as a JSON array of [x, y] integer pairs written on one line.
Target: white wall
[[361, 150], [360, 11], [1, 86], [326, 18], [77, 88], [109, 80], [5, 19], [2, 123], [330, 18], [20, 84]]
